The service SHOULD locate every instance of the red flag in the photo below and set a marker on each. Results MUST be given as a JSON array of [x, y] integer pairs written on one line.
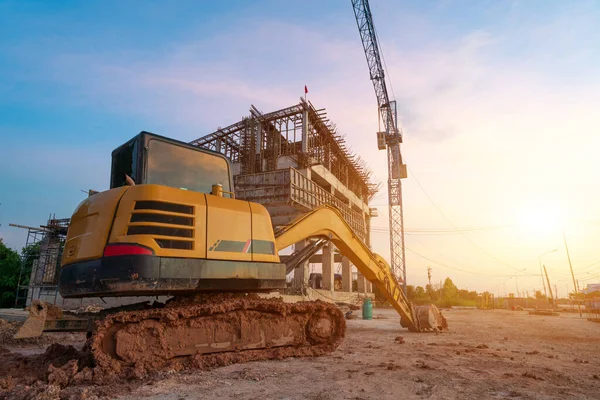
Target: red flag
[[305, 89]]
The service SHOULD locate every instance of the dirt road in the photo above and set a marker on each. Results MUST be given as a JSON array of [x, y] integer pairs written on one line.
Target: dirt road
[[486, 354]]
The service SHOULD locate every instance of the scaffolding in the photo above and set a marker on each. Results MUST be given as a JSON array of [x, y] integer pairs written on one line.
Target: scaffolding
[[40, 261], [301, 133]]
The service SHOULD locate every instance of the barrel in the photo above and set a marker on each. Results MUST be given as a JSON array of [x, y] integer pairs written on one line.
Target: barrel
[[367, 309]]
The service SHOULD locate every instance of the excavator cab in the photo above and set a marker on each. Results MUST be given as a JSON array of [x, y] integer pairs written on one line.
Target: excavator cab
[[152, 159]]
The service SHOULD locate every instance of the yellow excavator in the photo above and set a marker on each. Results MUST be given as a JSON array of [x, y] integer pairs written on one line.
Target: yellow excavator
[[170, 226]]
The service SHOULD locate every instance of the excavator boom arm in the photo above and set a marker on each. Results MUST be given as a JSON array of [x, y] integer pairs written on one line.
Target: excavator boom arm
[[326, 221]]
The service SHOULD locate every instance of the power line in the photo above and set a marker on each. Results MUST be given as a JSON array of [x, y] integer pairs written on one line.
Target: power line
[[441, 255], [586, 267], [455, 227], [459, 269], [432, 250], [449, 266], [590, 278], [425, 231]]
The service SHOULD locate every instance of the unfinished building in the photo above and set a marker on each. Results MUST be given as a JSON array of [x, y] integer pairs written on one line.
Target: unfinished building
[[40, 261], [291, 161], [40, 268]]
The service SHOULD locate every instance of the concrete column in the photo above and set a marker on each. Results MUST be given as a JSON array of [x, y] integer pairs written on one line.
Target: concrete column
[[346, 275], [301, 272], [328, 270], [305, 131], [368, 228], [368, 285], [259, 136], [361, 283]]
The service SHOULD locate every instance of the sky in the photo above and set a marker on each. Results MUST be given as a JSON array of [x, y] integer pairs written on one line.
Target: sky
[[497, 101]]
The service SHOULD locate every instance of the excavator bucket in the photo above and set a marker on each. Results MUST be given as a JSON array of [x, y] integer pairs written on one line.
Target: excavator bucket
[[430, 318], [34, 324], [44, 317]]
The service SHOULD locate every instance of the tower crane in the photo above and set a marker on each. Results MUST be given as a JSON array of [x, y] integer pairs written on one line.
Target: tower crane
[[390, 139]]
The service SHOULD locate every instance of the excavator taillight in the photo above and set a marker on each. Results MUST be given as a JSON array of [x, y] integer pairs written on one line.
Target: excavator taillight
[[126, 250]]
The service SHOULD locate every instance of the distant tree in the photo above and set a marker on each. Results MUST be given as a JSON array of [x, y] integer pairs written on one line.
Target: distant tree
[[449, 290], [10, 266], [410, 292], [420, 292], [445, 294], [539, 295], [10, 269], [29, 254], [432, 293]]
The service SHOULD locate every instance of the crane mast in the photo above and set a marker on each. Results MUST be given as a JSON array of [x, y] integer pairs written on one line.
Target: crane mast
[[388, 140]]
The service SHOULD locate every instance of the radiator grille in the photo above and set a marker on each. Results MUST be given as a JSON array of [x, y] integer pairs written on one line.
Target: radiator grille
[[175, 244], [162, 219], [164, 206], [156, 219], [160, 231]]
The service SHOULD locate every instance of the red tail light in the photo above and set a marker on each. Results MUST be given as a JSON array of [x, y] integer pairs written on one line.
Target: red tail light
[[126, 250]]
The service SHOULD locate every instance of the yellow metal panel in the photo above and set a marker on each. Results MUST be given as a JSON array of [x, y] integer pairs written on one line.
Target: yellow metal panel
[[228, 229], [262, 235], [158, 193], [89, 227]]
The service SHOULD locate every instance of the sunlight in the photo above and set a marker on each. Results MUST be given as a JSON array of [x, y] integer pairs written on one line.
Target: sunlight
[[540, 219]]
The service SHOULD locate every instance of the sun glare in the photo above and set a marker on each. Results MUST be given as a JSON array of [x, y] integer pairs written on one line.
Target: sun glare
[[540, 220]]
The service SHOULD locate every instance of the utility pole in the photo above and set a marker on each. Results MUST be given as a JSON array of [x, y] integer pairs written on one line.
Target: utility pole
[[541, 273], [549, 287], [429, 274], [572, 274]]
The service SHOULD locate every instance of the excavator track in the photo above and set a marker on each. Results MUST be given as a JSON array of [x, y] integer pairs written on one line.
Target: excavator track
[[211, 330]]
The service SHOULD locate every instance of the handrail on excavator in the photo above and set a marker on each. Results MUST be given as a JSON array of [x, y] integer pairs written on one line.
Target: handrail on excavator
[[326, 221]]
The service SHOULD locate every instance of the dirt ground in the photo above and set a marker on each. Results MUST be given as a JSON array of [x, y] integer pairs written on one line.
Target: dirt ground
[[486, 354]]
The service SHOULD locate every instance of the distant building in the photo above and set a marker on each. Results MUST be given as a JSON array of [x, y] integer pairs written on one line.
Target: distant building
[[592, 287]]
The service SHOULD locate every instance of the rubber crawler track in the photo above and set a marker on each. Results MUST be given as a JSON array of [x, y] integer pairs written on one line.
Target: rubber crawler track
[[215, 306]]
